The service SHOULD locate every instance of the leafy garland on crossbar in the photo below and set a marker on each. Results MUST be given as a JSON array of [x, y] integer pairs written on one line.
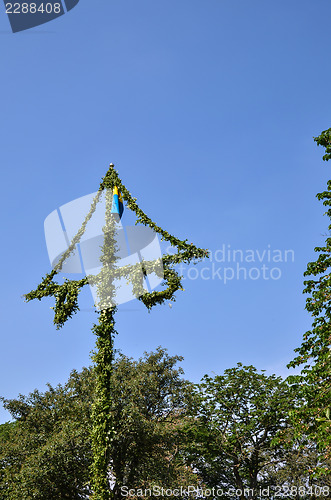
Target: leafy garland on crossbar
[[66, 294], [313, 419]]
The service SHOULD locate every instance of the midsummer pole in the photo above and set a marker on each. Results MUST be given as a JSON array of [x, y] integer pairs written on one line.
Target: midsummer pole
[[102, 430], [66, 304]]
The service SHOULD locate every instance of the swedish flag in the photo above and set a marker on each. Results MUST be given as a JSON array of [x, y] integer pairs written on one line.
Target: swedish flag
[[117, 206]]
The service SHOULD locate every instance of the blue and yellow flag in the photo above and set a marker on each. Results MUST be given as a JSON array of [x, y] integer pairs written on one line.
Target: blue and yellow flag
[[117, 206]]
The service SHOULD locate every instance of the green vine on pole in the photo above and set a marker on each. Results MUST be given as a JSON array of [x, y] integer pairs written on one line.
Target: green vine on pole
[[66, 304]]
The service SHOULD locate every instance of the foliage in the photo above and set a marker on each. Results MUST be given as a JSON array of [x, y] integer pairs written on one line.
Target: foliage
[[47, 451], [296, 473], [102, 431], [166, 433], [325, 140], [149, 413], [314, 382], [103, 428], [236, 417]]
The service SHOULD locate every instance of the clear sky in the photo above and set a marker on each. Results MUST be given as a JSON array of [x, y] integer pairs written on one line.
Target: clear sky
[[208, 110]]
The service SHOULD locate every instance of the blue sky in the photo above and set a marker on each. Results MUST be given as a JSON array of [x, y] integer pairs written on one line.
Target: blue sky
[[208, 110]]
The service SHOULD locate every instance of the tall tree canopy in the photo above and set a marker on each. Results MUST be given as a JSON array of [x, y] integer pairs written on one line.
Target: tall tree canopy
[[46, 452], [313, 418], [168, 433], [237, 415]]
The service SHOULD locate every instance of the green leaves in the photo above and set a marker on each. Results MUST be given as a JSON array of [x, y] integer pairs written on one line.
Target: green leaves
[[185, 252], [48, 452], [314, 382], [66, 302], [324, 139], [237, 415], [102, 430], [45, 453]]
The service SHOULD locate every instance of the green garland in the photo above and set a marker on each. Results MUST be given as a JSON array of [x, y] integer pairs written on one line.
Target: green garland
[[66, 304]]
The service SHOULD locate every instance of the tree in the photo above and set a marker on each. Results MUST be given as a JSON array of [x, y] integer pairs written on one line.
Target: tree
[[66, 304], [294, 476], [236, 417], [312, 419], [149, 406], [47, 451]]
